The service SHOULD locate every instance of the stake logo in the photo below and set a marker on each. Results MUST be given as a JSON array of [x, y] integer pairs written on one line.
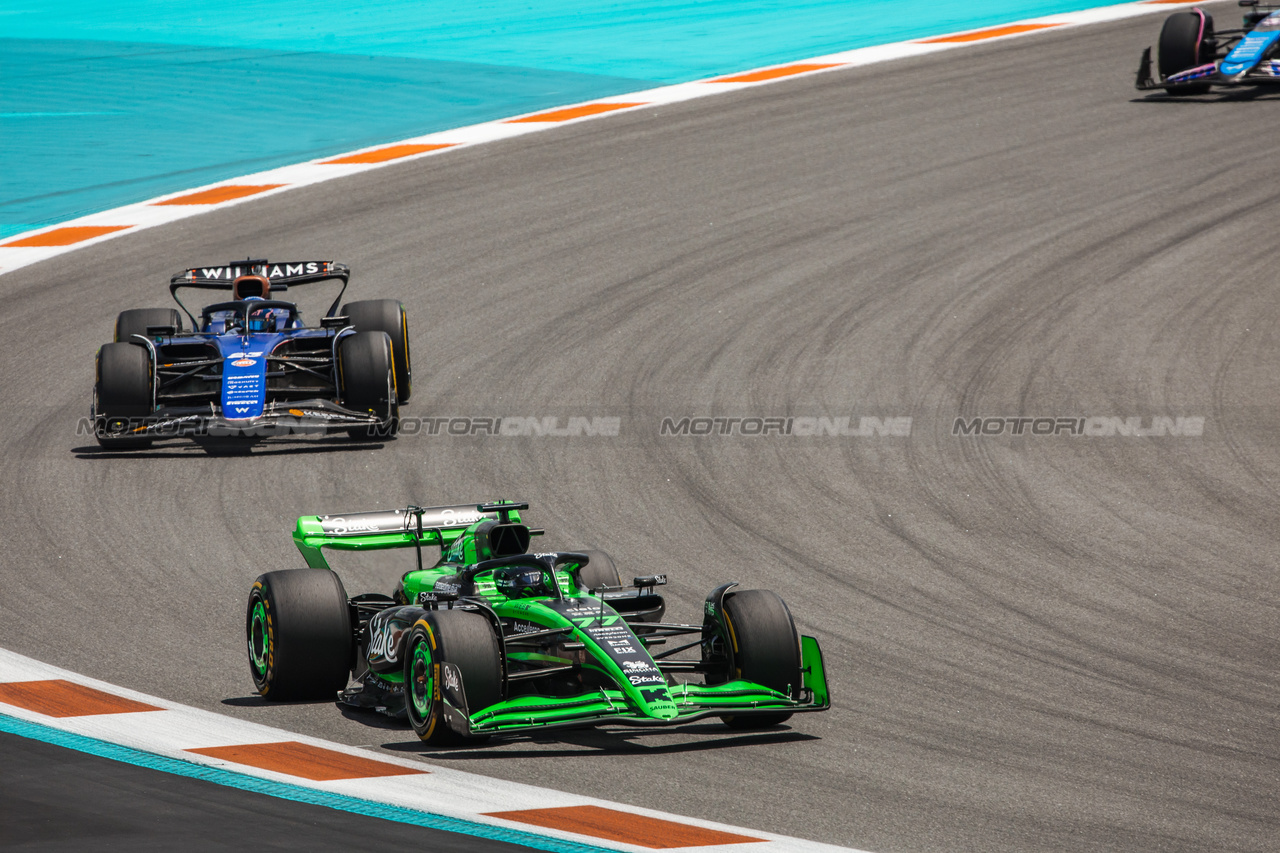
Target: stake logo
[[385, 642], [338, 526], [646, 679]]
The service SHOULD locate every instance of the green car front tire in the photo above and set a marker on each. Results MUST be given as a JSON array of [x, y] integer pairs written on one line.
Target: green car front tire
[[464, 639], [766, 650]]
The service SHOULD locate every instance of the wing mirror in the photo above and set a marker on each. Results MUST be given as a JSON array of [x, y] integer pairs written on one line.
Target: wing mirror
[[649, 581]]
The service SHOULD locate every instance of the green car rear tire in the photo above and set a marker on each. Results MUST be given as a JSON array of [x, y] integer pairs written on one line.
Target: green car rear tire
[[298, 629], [599, 572]]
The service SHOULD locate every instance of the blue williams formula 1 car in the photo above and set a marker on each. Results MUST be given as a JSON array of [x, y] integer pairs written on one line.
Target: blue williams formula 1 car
[[250, 367], [1194, 57]]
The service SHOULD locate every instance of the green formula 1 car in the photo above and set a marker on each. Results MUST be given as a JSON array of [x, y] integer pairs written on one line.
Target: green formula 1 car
[[493, 639]]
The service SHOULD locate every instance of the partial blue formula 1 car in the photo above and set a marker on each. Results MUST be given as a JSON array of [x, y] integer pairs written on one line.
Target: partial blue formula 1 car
[[250, 367], [1193, 57]]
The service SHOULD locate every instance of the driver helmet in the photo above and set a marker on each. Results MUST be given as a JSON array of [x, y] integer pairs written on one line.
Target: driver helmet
[[521, 582], [260, 319]]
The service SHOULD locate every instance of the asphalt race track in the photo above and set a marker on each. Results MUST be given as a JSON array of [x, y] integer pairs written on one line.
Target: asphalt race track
[[1037, 643]]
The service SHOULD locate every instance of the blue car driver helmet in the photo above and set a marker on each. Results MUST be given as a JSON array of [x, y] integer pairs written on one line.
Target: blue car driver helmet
[[255, 288], [260, 319]]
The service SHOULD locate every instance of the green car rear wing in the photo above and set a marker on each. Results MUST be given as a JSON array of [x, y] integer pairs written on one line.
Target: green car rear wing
[[412, 527]]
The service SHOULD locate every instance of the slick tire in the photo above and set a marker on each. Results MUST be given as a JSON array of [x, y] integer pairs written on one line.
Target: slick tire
[[766, 649], [464, 639], [136, 320], [1186, 41], [298, 629], [367, 382], [599, 572], [122, 394], [387, 315]]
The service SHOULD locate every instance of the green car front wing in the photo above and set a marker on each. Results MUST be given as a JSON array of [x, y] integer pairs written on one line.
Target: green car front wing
[[612, 706]]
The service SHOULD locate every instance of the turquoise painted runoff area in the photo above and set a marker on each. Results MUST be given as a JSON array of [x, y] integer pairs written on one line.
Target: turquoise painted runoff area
[[109, 103]]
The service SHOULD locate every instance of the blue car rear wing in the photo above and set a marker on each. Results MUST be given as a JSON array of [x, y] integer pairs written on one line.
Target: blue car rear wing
[[280, 276]]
